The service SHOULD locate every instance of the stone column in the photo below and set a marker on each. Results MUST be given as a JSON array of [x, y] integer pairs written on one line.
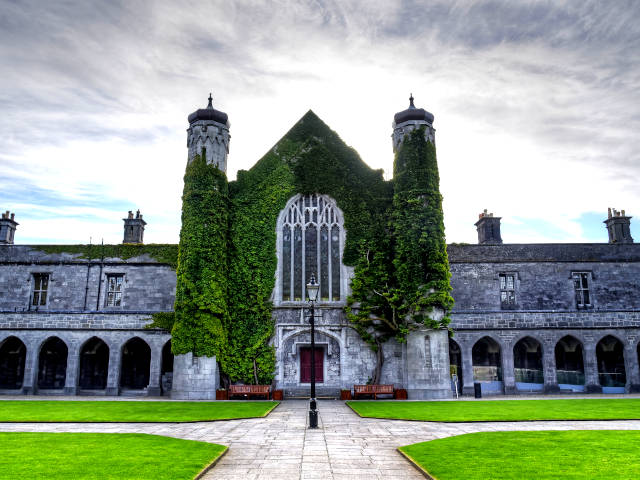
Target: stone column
[[30, 369], [73, 364], [427, 364], [591, 380], [508, 374], [467, 368], [631, 366], [113, 376], [549, 369], [194, 378], [153, 390]]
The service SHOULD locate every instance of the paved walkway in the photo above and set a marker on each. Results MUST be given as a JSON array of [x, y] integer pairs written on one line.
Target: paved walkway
[[344, 447]]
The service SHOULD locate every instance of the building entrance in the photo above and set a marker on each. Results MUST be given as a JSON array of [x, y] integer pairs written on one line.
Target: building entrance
[[305, 364]]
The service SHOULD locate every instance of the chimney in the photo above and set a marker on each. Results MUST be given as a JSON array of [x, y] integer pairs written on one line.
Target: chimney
[[488, 229], [618, 226], [133, 228], [7, 228]]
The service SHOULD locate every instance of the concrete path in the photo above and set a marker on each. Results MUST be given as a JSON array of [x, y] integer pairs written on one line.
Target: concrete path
[[344, 447]]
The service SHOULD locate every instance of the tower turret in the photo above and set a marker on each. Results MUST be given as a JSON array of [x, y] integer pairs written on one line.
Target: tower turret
[[209, 130], [410, 119]]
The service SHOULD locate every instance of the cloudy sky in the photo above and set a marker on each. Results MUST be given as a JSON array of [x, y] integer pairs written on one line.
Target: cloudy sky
[[536, 104]]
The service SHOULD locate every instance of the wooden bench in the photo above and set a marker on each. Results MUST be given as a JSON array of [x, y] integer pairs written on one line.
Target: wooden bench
[[373, 390], [250, 391]]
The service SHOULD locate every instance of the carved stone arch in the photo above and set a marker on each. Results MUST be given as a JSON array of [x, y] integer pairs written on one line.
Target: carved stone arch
[[533, 336], [53, 353], [13, 355], [135, 366]]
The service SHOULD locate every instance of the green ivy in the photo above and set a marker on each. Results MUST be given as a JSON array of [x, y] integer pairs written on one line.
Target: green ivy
[[201, 290], [162, 253]]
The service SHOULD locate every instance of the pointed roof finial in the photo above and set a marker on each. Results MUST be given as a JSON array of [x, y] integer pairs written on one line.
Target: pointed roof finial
[[210, 101], [411, 105]]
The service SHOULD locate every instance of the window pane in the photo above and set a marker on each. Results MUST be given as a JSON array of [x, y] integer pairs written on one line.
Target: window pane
[[510, 282], [117, 299], [335, 262], [297, 262], [43, 298], [585, 297], [324, 263], [36, 298], [584, 281], [44, 282], [503, 297], [311, 253], [286, 263], [110, 299]]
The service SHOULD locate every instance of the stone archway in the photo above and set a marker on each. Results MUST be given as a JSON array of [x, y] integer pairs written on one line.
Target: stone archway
[[611, 370], [570, 364], [135, 364], [13, 354], [487, 366], [52, 364], [527, 364], [94, 365], [166, 370], [455, 364]]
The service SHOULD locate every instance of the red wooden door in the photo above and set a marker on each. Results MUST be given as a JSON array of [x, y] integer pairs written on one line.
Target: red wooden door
[[305, 364]]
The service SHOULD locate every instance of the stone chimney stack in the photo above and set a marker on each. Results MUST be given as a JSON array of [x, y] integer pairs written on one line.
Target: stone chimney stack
[[133, 228], [618, 226], [7, 228], [488, 229]]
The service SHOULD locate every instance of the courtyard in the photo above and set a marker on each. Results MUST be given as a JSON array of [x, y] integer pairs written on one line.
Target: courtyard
[[345, 446]]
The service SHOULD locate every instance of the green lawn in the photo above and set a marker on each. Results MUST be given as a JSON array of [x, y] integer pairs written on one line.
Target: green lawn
[[106, 411], [608, 454], [102, 455], [502, 410]]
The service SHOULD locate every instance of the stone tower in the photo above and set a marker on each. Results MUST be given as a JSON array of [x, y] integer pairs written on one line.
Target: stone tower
[[7, 228], [619, 227], [410, 119], [209, 131], [133, 228]]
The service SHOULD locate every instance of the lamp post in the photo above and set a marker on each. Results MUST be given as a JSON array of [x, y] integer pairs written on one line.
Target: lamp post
[[312, 294]]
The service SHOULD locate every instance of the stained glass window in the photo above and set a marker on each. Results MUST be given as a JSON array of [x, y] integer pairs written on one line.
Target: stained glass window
[[314, 248]]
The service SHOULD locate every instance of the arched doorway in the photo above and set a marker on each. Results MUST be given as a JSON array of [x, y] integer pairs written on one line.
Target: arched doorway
[[611, 371], [570, 364], [166, 373], [52, 364], [136, 360], [487, 365], [455, 365], [527, 364], [94, 365], [13, 354]]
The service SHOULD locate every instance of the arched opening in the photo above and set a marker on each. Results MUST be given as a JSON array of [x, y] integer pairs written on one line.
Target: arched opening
[[136, 360], [455, 365], [94, 365], [527, 364], [166, 373], [486, 364], [611, 371], [52, 364], [13, 354], [570, 364]]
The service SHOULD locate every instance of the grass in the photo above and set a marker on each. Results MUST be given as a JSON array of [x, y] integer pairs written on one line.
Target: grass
[[542, 455], [502, 410], [102, 455], [106, 411]]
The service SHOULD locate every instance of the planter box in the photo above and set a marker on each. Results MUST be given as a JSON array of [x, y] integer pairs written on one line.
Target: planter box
[[400, 394], [345, 394], [277, 395], [222, 395]]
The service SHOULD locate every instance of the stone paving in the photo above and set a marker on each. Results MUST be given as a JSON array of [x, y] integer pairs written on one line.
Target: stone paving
[[343, 447]]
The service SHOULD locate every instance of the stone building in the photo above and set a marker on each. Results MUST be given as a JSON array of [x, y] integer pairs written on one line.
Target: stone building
[[527, 317]]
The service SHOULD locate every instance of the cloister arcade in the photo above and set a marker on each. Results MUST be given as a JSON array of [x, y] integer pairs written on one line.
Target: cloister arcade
[[65, 364], [547, 362]]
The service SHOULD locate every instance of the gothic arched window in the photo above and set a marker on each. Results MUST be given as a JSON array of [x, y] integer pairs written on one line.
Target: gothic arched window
[[310, 240]]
